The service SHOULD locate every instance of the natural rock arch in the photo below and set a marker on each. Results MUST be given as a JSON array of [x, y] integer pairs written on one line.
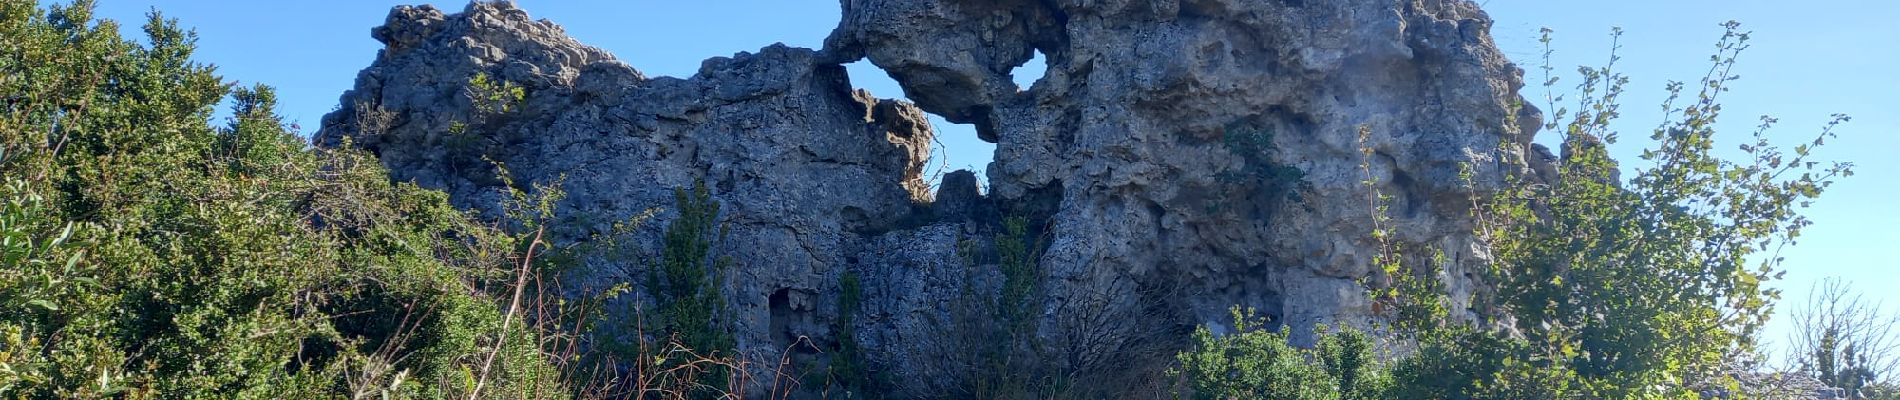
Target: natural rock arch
[[1138, 156]]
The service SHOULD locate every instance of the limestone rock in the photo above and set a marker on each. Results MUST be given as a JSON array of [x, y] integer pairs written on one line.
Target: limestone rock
[[1163, 133], [802, 163], [1179, 157]]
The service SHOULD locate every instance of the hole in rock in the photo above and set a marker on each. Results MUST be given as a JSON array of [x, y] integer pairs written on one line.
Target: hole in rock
[[780, 304], [1029, 73], [956, 146]]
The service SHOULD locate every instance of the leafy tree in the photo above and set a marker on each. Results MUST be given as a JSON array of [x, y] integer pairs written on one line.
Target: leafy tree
[[1604, 288], [1638, 288]]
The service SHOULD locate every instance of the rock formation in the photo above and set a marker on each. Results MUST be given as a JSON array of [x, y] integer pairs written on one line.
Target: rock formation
[[1178, 158]]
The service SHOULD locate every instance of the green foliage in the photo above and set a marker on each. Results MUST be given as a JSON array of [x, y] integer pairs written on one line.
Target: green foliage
[[255, 141], [149, 254], [1615, 289], [1457, 363], [686, 283], [1016, 258], [493, 96], [997, 331], [1011, 358], [1347, 356], [1255, 147], [1253, 363], [1635, 289], [1841, 363], [1410, 295], [848, 368], [1258, 171], [493, 100]]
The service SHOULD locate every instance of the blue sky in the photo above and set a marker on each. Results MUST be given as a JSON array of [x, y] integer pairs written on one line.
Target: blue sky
[[1809, 60]]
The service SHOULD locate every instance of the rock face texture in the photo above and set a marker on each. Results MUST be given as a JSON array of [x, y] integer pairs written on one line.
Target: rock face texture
[[802, 164], [1208, 151], [1179, 157]]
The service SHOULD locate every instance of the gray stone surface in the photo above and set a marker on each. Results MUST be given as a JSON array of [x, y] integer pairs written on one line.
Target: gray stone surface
[[1178, 158], [803, 164], [1139, 135]]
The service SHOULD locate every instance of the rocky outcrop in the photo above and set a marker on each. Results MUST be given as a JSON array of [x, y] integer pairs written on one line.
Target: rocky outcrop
[[1163, 131], [1179, 157], [804, 165]]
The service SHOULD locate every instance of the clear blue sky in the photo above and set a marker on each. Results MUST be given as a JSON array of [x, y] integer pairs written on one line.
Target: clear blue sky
[[1810, 59]]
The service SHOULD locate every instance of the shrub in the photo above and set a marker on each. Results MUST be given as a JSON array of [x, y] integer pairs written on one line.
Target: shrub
[[1613, 288], [848, 366], [1642, 287], [149, 253], [683, 348], [1254, 363]]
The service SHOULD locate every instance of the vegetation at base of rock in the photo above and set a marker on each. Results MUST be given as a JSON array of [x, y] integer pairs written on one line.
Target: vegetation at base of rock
[[1254, 363], [1016, 259], [848, 366], [1004, 351], [1628, 289], [686, 283], [1647, 288], [683, 349], [148, 253]]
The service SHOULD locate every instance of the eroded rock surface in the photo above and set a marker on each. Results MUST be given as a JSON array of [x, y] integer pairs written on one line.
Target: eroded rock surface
[[1178, 158], [802, 163], [1163, 131]]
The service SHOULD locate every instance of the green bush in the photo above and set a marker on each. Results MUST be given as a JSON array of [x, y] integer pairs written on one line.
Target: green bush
[[1644, 287], [1254, 363], [1013, 361], [1614, 289], [686, 284], [1016, 258], [150, 254], [848, 366]]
